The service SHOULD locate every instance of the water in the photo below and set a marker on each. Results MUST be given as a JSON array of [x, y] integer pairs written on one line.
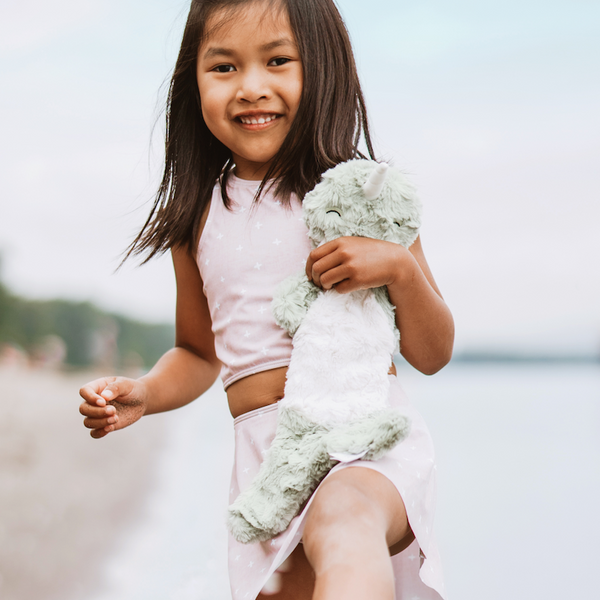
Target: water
[[519, 478], [519, 485]]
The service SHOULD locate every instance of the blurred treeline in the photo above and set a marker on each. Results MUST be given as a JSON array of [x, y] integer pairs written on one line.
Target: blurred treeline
[[77, 334]]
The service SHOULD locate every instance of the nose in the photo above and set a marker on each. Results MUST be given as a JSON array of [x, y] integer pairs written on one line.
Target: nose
[[254, 86]]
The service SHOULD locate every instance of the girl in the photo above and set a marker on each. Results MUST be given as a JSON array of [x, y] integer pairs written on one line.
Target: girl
[[264, 98]]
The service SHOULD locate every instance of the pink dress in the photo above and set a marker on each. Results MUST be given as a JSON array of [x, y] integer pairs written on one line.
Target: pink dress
[[243, 254]]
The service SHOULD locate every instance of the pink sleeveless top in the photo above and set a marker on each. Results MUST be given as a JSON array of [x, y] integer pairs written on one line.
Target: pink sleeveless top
[[243, 254]]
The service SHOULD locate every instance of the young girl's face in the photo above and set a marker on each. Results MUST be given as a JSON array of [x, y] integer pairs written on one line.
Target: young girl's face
[[250, 80]]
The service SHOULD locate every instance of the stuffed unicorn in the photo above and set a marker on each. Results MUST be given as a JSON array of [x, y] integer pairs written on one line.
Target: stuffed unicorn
[[335, 408]]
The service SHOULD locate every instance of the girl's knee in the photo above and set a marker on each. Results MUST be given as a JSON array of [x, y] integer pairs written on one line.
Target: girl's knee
[[344, 531], [355, 506], [341, 510]]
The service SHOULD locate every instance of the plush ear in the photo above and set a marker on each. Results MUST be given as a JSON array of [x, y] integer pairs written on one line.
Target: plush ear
[[374, 185]]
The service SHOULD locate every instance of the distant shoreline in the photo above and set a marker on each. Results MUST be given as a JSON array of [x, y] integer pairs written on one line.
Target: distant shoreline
[[508, 358], [501, 357]]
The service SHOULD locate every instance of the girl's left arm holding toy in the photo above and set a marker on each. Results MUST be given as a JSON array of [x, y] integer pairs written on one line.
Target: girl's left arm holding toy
[[353, 263]]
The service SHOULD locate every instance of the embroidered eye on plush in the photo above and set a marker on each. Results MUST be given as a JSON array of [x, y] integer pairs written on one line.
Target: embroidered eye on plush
[[334, 211], [399, 224]]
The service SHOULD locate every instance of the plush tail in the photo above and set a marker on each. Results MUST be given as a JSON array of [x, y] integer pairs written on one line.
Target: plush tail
[[293, 467], [371, 437]]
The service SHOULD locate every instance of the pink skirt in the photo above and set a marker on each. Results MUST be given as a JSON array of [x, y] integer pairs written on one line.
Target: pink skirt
[[410, 466]]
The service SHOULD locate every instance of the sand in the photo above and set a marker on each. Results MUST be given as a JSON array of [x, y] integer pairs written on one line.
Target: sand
[[64, 497]]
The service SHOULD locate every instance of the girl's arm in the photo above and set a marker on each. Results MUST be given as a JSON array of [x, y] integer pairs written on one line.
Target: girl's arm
[[425, 322], [180, 375], [189, 369]]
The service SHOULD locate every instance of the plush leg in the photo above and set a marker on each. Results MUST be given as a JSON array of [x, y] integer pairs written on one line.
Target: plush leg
[[293, 467], [371, 436]]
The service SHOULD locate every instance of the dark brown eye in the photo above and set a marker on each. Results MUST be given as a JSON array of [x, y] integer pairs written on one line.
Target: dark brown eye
[[334, 211], [396, 223]]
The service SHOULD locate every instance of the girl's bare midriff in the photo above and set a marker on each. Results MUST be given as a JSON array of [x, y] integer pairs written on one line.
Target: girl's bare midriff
[[260, 389], [256, 391]]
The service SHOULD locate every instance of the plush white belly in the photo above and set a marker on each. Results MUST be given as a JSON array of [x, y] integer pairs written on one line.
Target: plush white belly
[[342, 354]]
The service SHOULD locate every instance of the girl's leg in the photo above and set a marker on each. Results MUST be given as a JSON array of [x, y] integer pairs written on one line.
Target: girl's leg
[[357, 515], [356, 520], [298, 581]]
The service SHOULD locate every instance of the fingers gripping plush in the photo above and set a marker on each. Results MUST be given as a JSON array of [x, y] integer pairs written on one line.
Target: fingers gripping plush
[[335, 407]]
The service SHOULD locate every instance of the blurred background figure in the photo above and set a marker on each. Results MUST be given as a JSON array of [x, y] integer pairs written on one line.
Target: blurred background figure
[[12, 357], [49, 353]]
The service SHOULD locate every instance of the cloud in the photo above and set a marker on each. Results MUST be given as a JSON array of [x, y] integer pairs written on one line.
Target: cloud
[[438, 33], [35, 23]]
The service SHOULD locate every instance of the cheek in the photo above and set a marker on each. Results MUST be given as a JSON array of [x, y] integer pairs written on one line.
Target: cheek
[[213, 118], [212, 101], [212, 112]]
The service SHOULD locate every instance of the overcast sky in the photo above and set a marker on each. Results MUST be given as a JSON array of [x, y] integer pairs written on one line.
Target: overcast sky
[[492, 108]]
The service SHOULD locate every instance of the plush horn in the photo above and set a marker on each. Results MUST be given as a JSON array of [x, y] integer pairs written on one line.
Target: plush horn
[[374, 184]]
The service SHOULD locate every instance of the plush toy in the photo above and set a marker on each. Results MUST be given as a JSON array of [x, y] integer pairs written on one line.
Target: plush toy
[[335, 407]]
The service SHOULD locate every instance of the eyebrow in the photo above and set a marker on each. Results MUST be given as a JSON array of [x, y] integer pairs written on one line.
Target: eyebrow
[[219, 51]]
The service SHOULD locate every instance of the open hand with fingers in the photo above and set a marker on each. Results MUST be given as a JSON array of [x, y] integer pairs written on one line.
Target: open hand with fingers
[[112, 403]]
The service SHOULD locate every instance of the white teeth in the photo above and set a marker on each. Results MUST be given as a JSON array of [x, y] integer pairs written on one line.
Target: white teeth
[[256, 121]]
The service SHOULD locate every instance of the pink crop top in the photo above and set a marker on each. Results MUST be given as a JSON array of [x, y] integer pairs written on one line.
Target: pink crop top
[[243, 254]]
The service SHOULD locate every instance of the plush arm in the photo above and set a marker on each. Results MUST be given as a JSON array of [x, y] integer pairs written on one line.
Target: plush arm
[[291, 301]]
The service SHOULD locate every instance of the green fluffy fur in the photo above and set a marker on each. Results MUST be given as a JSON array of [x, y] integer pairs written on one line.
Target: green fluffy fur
[[292, 300], [297, 461]]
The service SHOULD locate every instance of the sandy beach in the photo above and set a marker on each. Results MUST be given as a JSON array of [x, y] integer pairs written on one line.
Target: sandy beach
[[64, 497]]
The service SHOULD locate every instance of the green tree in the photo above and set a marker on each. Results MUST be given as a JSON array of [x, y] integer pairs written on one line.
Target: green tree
[[85, 329]]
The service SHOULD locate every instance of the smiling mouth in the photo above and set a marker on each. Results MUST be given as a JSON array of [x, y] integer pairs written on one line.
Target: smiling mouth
[[257, 120]]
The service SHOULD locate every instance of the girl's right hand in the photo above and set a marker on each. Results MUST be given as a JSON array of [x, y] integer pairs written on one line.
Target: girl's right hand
[[112, 403]]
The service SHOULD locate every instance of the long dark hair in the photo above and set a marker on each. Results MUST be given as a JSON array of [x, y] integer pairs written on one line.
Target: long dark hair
[[330, 121]]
